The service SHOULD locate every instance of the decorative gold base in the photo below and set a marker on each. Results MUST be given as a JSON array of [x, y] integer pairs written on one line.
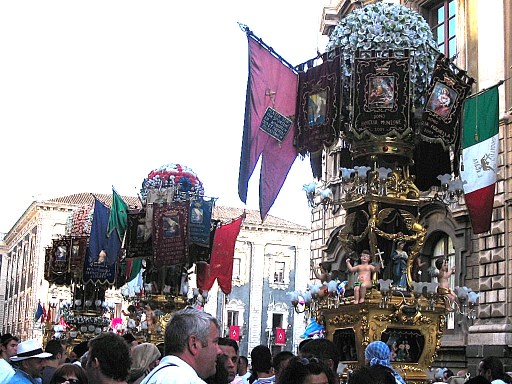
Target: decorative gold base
[[383, 147], [402, 322]]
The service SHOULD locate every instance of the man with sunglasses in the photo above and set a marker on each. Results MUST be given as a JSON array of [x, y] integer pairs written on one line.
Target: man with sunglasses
[[69, 374]]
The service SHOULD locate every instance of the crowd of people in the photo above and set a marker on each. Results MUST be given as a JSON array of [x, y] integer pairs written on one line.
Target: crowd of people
[[194, 352]]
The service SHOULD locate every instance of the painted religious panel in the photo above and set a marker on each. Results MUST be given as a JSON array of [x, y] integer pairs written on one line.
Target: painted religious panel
[[77, 252], [138, 241], [319, 102], [58, 262], [445, 96], [381, 96], [171, 233], [200, 222], [60, 255]]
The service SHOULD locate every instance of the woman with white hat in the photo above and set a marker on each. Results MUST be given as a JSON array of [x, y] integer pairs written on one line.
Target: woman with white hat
[[30, 358]]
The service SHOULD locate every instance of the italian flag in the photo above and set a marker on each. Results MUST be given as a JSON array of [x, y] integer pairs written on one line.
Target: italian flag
[[480, 148]]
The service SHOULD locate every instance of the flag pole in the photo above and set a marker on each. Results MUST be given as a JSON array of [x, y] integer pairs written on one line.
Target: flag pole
[[486, 89], [250, 34]]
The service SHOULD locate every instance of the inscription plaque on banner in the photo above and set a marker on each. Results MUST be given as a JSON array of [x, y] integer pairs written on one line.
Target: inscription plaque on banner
[[275, 124]]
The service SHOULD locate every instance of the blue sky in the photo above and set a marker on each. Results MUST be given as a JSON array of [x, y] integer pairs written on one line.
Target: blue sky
[[99, 93]]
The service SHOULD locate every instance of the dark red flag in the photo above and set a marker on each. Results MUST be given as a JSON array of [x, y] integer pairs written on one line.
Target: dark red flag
[[269, 126], [223, 250], [43, 318], [203, 276], [234, 332], [280, 336]]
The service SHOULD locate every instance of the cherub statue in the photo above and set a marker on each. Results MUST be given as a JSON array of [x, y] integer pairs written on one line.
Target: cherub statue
[[364, 270], [323, 271], [443, 274]]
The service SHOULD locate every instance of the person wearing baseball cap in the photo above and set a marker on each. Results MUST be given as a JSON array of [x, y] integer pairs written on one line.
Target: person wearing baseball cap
[[8, 347], [31, 359]]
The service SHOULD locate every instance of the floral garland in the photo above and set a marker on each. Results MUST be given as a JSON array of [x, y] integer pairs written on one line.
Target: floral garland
[[171, 175], [80, 221], [382, 26]]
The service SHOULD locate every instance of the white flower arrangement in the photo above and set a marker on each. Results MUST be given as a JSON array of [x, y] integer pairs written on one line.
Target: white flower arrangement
[[382, 26]]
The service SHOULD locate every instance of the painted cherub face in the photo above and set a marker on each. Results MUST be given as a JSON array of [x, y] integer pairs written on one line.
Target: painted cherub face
[[365, 258]]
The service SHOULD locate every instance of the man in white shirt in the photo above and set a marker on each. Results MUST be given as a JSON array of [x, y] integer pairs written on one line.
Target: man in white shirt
[[243, 372], [191, 348], [261, 361], [8, 348]]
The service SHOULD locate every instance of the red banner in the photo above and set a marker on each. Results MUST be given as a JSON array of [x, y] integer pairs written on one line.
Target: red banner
[[234, 332], [280, 336], [221, 262]]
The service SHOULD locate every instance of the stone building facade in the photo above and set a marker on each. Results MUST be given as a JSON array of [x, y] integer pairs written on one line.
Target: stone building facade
[[478, 35], [271, 259], [21, 275]]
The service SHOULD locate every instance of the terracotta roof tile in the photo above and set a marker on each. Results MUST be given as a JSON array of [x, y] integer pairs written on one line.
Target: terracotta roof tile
[[88, 198], [252, 216], [221, 213]]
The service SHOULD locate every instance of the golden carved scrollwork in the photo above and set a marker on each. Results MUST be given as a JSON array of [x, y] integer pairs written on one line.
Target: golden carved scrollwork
[[375, 219], [400, 184], [409, 368], [365, 328], [439, 333], [399, 317], [405, 319], [424, 320], [343, 320], [388, 318], [164, 319], [370, 322]]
